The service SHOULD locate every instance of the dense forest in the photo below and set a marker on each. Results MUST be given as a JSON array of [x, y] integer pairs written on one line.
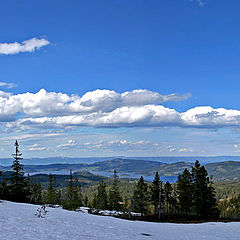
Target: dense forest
[[191, 197]]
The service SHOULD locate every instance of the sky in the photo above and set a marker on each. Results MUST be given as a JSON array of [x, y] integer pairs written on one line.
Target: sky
[[120, 78]]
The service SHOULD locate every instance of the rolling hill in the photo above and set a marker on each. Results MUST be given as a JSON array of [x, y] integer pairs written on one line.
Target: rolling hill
[[220, 171]]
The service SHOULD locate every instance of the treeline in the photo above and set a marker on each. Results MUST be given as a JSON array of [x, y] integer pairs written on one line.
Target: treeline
[[19, 188], [192, 196]]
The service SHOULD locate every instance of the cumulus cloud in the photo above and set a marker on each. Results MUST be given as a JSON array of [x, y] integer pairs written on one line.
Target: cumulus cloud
[[4, 94], [105, 108], [26, 46]]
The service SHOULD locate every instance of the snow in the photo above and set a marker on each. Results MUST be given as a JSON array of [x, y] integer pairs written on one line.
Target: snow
[[18, 221], [112, 213]]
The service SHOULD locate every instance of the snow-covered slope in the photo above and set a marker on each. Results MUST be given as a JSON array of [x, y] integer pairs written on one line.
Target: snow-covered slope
[[18, 221]]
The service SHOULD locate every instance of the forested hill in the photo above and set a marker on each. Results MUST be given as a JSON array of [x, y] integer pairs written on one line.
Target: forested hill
[[228, 170]]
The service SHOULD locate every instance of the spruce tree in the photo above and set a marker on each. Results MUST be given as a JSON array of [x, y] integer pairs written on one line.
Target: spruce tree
[[102, 197], [168, 195], [185, 192], [204, 200], [4, 190], [86, 201], [73, 195], [115, 198], [141, 197], [156, 195], [36, 193], [51, 196], [18, 191]]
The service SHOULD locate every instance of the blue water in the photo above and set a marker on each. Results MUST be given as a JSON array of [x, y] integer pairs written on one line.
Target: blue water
[[171, 179]]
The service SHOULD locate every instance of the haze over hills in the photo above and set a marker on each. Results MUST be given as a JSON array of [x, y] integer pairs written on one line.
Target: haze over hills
[[220, 171], [89, 160]]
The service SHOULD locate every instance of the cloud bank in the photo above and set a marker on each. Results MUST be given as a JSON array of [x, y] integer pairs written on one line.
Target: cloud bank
[[105, 108], [26, 46]]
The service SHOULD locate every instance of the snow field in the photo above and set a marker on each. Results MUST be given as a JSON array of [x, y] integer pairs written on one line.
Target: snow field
[[19, 222]]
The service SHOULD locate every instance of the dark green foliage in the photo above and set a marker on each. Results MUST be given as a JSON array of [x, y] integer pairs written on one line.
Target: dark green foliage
[[156, 194], [18, 191], [141, 197], [86, 201], [115, 198], [4, 190], [73, 198], [185, 192], [203, 193], [169, 197], [51, 196], [102, 197], [196, 194], [36, 196]]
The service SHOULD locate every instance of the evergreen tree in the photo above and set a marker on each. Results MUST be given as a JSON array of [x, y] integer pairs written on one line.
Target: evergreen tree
[[141, 197], [36, 197], [4, 190], [126, 207], [205, 204], [168, 195], [157, 196], [102, 197], [51, 196], [73, 198], [115, 198], [29, 190], [18, 191], [93, 203], [86, 201], [185, 192]]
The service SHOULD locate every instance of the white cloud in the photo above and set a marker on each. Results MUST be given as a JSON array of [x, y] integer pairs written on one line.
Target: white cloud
[[5, 94], [185, 150], [121, 145], [66, 146], [26, 46], [7, 85], [35, 136], [105, 108], [36, 149]]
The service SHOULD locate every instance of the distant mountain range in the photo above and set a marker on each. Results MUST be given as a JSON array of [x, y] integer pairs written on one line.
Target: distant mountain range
[[227, 170], [90, 160]]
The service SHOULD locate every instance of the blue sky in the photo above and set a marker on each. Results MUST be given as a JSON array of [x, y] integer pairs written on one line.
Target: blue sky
[[133, 78]]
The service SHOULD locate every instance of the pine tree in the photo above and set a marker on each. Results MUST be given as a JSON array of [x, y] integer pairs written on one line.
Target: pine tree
[[73, 198], [37, 193], [141, 197], [204, 200], [102, 197], [115, 198], [4, 190], [18, 191], [185, 192], [51, 196], [86, 201], [168, 195], [157, 196]]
